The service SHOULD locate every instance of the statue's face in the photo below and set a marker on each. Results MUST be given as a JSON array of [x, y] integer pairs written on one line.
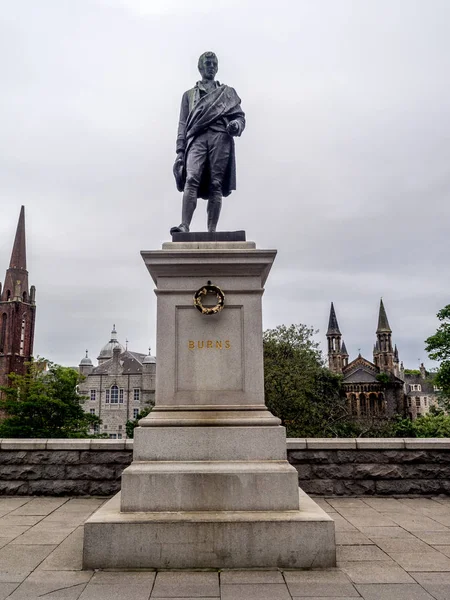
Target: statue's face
[[209, 67]]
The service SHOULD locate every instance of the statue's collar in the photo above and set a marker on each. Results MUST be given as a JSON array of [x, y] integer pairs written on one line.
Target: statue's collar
[[200, 85]]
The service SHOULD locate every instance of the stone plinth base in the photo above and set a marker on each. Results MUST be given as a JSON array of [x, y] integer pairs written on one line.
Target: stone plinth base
[[194, 540], [206, 236]]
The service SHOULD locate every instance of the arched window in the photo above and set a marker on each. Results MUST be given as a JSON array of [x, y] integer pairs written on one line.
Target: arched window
[[3, 332], [8, 295], [114, 394], [363, 404], [372, 404], [24, 296]]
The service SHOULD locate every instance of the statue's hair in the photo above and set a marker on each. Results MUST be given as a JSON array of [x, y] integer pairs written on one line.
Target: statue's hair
[[206, 55]]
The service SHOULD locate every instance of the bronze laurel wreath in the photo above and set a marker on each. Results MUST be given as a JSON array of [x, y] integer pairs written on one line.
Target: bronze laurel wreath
[[202, 292]]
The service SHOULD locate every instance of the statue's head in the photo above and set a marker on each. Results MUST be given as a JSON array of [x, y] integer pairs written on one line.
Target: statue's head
[[208, 65]]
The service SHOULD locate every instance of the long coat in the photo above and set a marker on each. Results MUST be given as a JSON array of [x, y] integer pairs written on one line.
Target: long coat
[[222, 103]]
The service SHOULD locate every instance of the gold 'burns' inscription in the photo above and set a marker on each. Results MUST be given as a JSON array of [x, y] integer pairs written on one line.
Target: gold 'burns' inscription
[[209, 344]]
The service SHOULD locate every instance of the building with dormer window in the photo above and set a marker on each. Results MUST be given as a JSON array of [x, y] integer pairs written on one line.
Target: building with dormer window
[[119, 387]]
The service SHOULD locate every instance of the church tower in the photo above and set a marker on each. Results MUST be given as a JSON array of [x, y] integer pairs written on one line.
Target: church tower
[[334, 338], [385, 352], [17, 310]]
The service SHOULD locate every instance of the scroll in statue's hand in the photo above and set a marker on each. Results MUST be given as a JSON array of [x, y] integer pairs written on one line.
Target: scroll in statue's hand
[[233, 128]]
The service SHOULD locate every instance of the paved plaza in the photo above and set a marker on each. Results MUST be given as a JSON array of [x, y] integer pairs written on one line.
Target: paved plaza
[[388, 548]]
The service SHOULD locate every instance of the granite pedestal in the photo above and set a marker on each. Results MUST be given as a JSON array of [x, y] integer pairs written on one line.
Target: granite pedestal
[[209, 485]]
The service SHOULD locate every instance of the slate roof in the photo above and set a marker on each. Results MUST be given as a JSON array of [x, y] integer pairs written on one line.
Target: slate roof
[[130, 362], [426, 384]]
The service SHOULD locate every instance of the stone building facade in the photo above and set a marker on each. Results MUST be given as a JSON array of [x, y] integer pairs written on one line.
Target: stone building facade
[[420, 392], [17, 310], [119, 388], [373, 389]]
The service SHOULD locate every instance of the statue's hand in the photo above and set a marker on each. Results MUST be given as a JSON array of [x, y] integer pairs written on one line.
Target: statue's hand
[[180, 157], [233, 128]]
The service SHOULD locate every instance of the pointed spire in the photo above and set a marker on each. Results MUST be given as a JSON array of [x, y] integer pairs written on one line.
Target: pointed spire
[[383, 323], [343, 349], [396, 353], [19, 254], [333, 327]]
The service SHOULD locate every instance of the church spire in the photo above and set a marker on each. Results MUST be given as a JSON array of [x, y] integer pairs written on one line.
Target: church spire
[[334, 337], [333, 327], [384, 359], [16, 278], [19, 253], [383, 323]]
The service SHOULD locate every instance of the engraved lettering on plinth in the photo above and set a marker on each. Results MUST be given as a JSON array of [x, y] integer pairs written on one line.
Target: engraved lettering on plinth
[[209, 350]]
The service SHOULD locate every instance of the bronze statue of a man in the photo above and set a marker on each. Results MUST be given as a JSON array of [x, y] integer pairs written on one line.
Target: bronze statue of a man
[[205, 166]]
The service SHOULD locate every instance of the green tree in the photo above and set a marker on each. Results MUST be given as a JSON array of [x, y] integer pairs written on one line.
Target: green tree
[[435, 424], [131, 424], [438, 348], [44, 404], [305, 395]]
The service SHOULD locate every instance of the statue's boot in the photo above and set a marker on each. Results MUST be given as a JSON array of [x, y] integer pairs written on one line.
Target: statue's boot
[[213, 210], [189, 206]]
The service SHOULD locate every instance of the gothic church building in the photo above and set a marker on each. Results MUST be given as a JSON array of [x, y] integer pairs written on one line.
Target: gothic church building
[[374, 389], [17, 310]]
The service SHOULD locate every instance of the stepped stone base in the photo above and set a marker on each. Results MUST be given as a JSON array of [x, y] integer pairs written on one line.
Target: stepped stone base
[[194, 540]]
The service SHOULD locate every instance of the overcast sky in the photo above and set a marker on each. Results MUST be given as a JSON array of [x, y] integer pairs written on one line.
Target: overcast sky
[[344, 166]]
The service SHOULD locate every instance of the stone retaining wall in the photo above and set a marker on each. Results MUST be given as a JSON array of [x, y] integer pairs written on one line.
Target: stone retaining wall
[[382, 467], [326, 467]]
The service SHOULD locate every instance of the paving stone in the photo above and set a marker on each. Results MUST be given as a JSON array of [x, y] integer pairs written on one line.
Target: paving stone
[[437, 584], [384, 504], [28, 520], [13, 576], [435, 538], [35, 536], [370, 520], [422, 561], [9, 504], [360, 553], [253, 591], [179, 583], [376, 572], [5, 540], [401, 545], [109, 577], [390, 532], [6, 589], [68, 556], [351, 538], [342, 524], [417, 522], [445, 550], [116, 591], [443, 519], [325, 597], [23, 558], [57, 586], [13, 531], [319, 583], [393, 591], [347, 503], [40, 506], [232, 576]]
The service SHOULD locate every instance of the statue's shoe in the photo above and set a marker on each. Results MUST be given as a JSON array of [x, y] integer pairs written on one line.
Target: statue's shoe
[[180, 229]]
